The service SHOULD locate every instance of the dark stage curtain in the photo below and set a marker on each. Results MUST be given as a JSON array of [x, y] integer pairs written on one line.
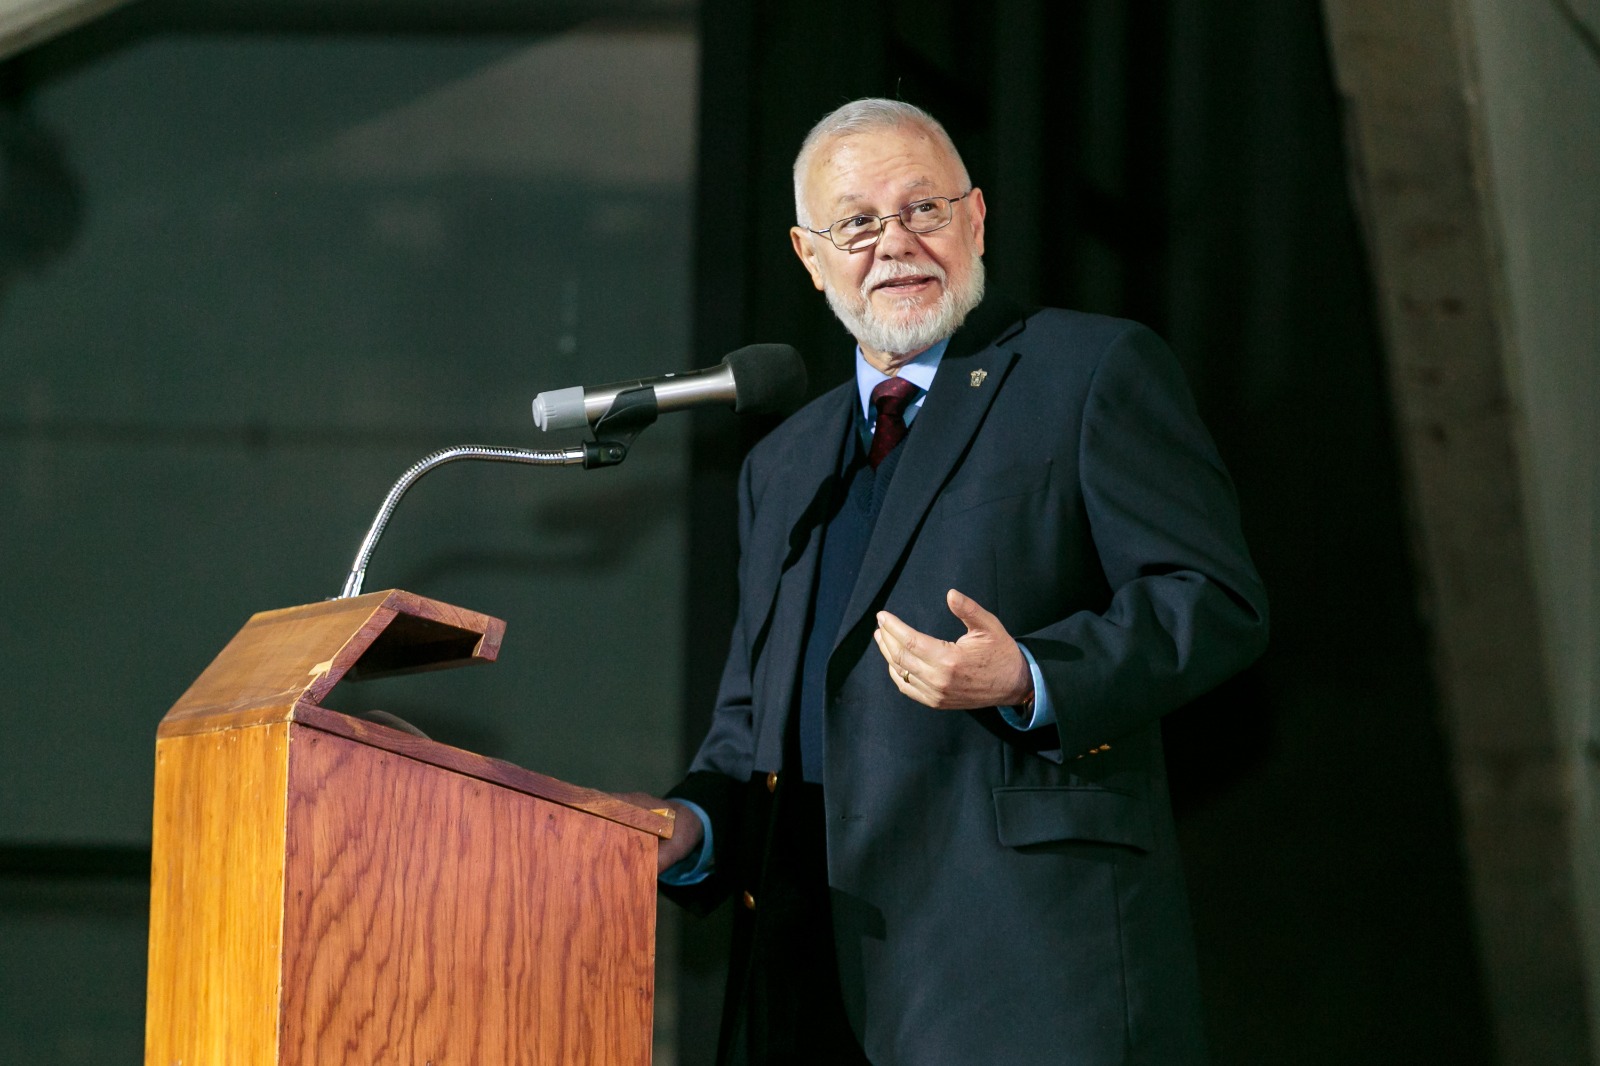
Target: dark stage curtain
[[1179, 162]]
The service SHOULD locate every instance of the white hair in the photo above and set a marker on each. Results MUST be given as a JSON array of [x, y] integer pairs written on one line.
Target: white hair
[[865, 116]]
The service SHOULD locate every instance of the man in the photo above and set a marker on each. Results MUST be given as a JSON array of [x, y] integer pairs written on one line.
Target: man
[[972, 580]]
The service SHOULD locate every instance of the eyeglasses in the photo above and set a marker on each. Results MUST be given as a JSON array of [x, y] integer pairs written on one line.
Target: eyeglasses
[[920, 216]]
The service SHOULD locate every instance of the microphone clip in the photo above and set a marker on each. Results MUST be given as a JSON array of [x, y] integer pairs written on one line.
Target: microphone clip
[[630, 414]]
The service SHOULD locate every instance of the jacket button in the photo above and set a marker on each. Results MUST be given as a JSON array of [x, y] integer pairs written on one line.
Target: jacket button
[[749, 902], [772, 781]]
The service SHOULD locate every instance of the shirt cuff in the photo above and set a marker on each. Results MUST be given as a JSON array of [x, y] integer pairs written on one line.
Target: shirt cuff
[[698, 864], [1044, 712]]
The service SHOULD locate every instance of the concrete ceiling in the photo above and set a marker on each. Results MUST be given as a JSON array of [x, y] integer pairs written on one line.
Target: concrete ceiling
[[26, 23]]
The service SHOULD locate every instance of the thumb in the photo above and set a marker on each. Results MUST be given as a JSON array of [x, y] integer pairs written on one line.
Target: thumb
[[971, 613]]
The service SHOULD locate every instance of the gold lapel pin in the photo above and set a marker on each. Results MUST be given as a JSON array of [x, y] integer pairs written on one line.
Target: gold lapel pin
[[978, 376]]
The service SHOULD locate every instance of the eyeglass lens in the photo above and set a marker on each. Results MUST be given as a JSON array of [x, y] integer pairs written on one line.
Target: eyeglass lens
[[923, 216]]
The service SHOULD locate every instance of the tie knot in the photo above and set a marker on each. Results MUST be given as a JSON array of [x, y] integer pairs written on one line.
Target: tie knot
[[891, 398], [893, 395]]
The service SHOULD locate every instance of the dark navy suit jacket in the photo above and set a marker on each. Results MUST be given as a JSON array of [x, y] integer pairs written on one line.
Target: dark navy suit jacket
[[998, 896]]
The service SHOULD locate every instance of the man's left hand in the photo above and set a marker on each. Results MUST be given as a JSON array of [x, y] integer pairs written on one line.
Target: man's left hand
[[984, 668]]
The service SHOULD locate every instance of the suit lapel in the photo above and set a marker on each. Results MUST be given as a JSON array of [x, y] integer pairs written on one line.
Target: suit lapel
[[779, 580], [969, 377]]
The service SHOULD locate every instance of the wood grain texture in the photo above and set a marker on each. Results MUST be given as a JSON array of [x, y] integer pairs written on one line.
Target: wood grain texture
[[283, 663], [484, 768], [436, 918], [216, 898], [329, 890], [284, 657]]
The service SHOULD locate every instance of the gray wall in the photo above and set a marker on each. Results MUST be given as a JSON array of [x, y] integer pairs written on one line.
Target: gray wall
[[300, 264], [1475, 126], [1538, 66]]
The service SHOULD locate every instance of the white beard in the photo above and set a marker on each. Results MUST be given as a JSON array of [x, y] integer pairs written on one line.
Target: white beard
[[900, 333]]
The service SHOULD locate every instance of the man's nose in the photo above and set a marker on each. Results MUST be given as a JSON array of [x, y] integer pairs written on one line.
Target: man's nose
[[896, 240]]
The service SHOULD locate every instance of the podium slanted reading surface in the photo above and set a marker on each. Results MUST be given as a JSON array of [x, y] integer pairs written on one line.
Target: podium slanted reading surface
[[328, 890]]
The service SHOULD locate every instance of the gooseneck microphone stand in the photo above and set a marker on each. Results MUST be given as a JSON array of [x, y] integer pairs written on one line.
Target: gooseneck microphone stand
[[630, 414]]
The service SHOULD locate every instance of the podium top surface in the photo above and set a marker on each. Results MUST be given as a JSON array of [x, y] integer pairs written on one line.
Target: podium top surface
[[297, 654], [283, 663]]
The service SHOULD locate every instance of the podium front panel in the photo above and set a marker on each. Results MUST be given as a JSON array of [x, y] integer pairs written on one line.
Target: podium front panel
[[432, 917]]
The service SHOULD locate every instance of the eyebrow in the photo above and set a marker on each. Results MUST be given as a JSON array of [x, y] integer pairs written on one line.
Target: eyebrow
[[910, 186]]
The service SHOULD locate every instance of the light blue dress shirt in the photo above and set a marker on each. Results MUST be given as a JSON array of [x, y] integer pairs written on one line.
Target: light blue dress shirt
[[698, 864]]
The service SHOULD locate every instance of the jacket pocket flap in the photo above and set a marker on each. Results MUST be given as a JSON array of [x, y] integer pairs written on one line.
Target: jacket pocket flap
[[1036, 815]]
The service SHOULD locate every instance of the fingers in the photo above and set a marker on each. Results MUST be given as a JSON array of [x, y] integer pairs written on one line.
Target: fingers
[[901, 645], [910, 686], [686, 828], [908, 649], [920, 666], [904, 665], [984, 668], [687, 833], [902, 634], [642, 799], [971, 613]]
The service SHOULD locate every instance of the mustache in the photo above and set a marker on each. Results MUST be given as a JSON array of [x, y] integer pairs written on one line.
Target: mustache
[[897, 268]]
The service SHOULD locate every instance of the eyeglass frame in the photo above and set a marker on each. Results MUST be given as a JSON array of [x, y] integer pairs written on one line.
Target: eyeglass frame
[[883, 220]]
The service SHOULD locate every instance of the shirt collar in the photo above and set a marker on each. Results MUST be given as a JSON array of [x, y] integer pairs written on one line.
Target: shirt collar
[[919, 371]]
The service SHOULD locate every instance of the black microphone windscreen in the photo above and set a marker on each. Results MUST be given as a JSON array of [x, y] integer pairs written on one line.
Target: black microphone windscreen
[[767, 378]]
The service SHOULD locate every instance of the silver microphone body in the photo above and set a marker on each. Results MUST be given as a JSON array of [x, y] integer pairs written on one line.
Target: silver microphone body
[[579, 406], [759, 378]]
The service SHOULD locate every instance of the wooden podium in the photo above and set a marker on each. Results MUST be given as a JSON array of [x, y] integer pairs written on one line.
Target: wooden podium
[[329, 890]]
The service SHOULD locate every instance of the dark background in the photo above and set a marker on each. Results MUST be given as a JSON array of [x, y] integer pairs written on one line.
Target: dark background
[[1179, 162]]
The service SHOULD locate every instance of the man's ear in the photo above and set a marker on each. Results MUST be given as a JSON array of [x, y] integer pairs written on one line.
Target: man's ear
[[976, 210], [806, 249]]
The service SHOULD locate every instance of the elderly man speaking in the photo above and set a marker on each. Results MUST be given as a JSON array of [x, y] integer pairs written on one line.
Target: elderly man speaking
[[972, 579]]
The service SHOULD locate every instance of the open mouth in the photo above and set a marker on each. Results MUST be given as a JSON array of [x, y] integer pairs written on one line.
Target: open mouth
[[904, 283]]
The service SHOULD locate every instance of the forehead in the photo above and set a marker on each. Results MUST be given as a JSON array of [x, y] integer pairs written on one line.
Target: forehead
[[883, 168]]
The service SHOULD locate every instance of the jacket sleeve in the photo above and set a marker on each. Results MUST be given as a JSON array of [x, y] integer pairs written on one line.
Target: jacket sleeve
[[719, 775], [1187, 608]]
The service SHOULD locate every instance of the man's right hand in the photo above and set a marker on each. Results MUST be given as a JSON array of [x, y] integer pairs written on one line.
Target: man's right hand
[[686, 828]]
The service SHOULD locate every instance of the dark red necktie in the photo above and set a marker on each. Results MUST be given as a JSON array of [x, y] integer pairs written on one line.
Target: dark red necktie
[[891, 398]]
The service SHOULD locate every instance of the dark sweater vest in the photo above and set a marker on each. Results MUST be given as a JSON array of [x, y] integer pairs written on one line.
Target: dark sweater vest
[[793, 1012], [851, 515]]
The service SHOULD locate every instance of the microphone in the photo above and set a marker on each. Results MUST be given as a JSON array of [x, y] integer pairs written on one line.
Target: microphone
[[760, 378]]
